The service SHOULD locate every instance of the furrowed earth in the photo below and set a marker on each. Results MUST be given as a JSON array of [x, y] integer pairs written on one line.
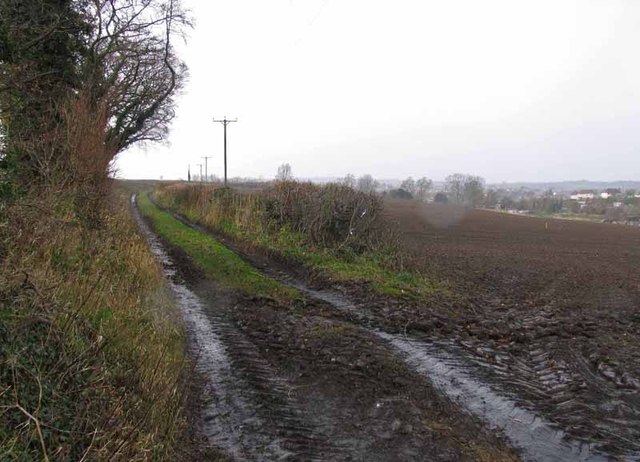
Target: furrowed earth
[[539, 317], [550, 306]]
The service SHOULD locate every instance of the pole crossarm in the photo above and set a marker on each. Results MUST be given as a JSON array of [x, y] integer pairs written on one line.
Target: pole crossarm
[[224, 121]]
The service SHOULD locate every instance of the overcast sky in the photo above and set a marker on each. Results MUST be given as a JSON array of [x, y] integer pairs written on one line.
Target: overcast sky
[[512, 90]]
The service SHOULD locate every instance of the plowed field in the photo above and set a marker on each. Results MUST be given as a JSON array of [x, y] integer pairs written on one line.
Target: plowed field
[[552, 307]]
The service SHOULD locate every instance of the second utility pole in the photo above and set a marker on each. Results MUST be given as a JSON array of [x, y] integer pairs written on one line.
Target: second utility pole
[[225, 122], [206, 170]]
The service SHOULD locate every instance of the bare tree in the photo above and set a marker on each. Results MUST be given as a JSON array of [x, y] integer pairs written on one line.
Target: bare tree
[[473, 191], [349, 180], [465, 189], [284, 173], [366, 183], [409, 185], [454, 185], [423, 186], [131, 64]]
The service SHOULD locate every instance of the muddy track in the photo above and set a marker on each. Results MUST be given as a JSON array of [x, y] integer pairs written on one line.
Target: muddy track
[[540, 389], [247, 410], [593, 414], [295, 383]]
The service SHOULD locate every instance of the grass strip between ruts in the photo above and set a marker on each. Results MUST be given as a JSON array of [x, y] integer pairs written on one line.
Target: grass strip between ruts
[[216, 260]]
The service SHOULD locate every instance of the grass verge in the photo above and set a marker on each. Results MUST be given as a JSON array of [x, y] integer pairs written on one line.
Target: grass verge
[[378, 268], [227, 268], [92, 362], [370, 268]]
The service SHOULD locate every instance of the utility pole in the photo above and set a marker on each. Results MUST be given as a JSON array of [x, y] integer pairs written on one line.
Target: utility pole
[[225, 122], [206, 170], [200, 165]]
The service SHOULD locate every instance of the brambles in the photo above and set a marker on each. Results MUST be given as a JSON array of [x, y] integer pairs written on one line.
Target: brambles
[[333, 216]]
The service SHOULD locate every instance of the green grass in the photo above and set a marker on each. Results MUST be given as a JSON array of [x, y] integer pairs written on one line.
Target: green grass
[[369, 268], [374, 268], [224, 266], [91, 349]]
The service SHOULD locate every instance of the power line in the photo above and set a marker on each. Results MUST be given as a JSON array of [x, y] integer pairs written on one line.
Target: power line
[[200, 165], [225, 122]]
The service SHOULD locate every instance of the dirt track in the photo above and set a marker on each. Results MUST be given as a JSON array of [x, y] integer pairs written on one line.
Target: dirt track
[[303, 382], [337, 357]]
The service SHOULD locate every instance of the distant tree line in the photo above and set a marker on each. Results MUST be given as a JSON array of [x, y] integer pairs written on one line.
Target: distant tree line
[[461, 189]]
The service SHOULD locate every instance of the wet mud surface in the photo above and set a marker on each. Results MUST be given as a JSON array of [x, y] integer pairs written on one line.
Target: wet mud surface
[[550, 408], [305, 382], [551, 311]]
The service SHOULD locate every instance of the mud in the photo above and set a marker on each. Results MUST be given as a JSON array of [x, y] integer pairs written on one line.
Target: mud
[[551, 310], [491, 383], [298, 383]]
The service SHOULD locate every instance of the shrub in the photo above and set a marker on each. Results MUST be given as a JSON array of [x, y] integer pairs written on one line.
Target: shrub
[[331, 216], [400, 194]]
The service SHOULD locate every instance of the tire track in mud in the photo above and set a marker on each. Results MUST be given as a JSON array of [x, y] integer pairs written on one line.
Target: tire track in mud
[[560, 380], [250, 413], [454, 373], [322, 405], [458, 374]]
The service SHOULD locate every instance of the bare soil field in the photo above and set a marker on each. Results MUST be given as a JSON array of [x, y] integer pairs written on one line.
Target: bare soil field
[[298, 382], [532, 338], [551, 307]]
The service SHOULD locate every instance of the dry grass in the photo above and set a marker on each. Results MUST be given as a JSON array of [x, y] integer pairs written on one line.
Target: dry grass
[[91, 355], [332, 216], [338, 231]]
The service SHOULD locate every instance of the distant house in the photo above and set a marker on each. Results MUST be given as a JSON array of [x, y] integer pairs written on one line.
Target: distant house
[[611, 192], [584, 195]]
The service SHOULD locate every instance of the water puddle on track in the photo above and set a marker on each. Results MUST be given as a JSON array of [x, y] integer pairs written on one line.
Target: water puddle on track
[[230, 421], [450, 370], [537, 438], [452, 373]]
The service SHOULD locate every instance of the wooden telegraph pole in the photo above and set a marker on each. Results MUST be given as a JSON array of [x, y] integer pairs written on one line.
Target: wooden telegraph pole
[[200, 165], [224, 121], [206, 169]]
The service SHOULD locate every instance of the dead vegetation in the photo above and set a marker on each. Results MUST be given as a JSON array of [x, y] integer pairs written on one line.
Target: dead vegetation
[[332, 216], [91, 357]]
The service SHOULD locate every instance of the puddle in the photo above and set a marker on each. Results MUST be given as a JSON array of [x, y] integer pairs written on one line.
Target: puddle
[[334, 299], [229, 420], [450, 371], [537, 438]]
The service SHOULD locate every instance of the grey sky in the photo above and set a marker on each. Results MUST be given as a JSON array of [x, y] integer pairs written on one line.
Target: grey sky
[[511, 90]]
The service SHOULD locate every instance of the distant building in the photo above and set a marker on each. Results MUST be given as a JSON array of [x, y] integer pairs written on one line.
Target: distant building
[[584, 195], [611, 192]]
